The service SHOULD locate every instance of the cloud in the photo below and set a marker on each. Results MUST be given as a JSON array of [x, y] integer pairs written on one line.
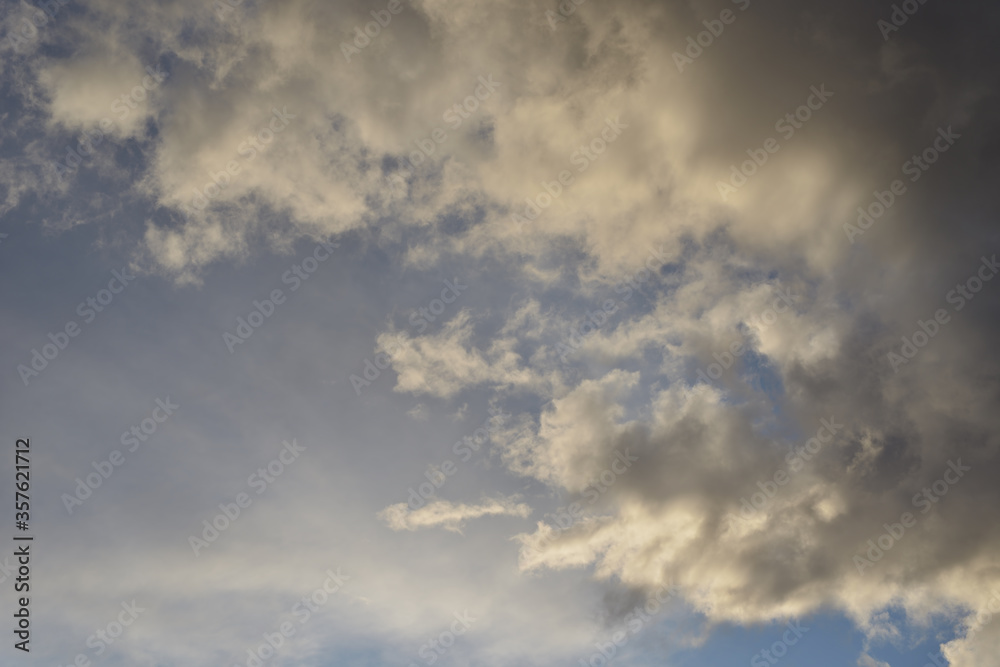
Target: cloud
[[351, 157], [419, 412], [330, 171], [446, 363], [448, 515], [867, 661]]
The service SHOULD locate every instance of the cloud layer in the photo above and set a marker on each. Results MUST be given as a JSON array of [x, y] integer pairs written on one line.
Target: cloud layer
[[760, 264]]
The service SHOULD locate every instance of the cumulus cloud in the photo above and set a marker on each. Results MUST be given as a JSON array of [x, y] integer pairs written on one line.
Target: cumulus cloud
[[354, 120], [685, 514]]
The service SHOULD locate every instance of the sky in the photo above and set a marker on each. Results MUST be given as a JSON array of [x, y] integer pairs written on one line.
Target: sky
[[438, 332]]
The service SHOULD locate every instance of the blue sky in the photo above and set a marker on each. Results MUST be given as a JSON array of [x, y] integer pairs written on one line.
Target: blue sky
[[333, 367]]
